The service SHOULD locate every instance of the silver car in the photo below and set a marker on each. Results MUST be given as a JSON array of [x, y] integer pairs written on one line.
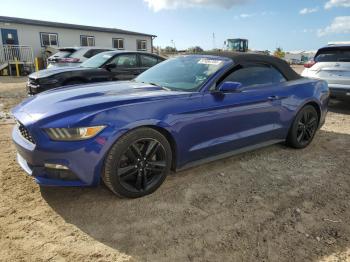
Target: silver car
[[332, 64], [73, 56]]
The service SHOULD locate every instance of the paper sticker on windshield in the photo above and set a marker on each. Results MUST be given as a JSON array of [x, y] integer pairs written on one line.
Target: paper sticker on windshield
[[206, 61], [107, 56]]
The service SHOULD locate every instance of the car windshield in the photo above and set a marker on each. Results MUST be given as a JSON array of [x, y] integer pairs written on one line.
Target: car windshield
[[97, 60], [184, 73], [333, 55]]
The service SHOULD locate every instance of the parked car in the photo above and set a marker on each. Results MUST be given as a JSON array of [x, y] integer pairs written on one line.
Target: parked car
[[184, 111], [332, 64], [73, 56], [106, 66]]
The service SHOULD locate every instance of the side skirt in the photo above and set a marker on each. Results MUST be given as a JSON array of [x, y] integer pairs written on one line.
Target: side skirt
[[229, 154]]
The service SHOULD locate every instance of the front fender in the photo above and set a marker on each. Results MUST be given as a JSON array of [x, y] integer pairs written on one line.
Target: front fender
[[116, 135]]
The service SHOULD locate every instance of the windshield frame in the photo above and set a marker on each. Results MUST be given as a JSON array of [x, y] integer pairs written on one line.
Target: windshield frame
[[227, 62]]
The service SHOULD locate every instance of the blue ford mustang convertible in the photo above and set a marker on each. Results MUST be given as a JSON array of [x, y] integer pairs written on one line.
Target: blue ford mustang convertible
[[184, 111]]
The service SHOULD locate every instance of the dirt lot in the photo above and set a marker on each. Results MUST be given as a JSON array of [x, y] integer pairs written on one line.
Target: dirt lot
[[274, 204]]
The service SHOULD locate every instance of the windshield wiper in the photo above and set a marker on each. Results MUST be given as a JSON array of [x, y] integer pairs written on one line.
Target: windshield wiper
[[165, 88], [154, 84]]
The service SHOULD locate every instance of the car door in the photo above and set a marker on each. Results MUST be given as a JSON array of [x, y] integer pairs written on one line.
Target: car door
[[147, 61], [242, 119], [126, 67]]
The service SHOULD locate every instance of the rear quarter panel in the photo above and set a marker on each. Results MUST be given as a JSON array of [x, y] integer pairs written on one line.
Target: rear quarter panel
[[302, 92]]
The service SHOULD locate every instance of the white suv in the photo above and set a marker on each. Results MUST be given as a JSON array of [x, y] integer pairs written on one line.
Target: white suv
[[332, 64], [73, 56]]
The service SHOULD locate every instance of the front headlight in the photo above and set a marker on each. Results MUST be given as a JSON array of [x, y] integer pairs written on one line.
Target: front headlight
[[73, 134]]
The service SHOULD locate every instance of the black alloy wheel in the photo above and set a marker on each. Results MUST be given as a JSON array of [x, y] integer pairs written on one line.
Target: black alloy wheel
[[304, 127], [137, 163], [142, 165], [307, 127]]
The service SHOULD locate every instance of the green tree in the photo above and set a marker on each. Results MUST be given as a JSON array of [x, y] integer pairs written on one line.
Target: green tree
[[169, 49], [279, 53], [195, 49]]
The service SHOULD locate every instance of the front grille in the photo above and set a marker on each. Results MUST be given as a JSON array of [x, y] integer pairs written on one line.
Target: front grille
[[33, 81], [25, 133]]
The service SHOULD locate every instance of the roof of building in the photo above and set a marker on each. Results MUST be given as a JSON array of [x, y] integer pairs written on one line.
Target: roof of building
[[17, 20], [340, 46], [241, 58], [339, 43], [297, 52]]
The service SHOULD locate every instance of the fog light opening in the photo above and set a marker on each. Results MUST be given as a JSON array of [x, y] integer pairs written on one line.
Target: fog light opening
[[56, 166]]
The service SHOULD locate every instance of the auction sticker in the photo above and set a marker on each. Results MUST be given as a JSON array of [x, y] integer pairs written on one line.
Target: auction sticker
[[206, 61]]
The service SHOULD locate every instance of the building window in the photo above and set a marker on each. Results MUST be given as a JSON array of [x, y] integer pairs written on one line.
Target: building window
[[118, 43], [49, 39], [86, 40], [141, 45]]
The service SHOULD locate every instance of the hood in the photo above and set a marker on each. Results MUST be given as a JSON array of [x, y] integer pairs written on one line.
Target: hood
[[57, 70], [90, 98]]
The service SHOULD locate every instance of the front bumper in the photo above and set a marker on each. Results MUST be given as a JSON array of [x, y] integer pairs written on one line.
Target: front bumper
[[43, 176], [84, 160], [32, 89], [36, 89], [340, 92]]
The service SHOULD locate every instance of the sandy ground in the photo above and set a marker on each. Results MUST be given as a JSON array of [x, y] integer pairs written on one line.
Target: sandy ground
[[274, 204]]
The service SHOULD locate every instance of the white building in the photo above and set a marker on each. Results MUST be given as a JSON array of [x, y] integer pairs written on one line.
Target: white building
[[28, 38], [299, 56]]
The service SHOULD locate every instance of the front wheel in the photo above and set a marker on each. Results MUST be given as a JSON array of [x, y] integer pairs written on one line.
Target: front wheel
[[303, 128], [138, 163]]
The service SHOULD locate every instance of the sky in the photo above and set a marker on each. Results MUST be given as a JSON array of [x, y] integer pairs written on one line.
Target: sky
[[267, 24]]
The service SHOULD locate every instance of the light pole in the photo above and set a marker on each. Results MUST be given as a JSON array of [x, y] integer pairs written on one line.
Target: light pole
[[173, 43]]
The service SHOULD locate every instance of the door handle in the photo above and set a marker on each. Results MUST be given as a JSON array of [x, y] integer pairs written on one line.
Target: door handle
[[273, 98]]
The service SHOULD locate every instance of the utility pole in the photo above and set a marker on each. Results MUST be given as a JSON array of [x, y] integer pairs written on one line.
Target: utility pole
[[214, 42], [173, 43]]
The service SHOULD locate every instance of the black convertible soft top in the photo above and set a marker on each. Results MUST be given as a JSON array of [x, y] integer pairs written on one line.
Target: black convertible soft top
[[242, 58]]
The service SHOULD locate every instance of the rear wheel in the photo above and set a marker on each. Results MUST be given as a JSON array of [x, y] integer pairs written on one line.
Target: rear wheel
[[138, 163], [304, 128]]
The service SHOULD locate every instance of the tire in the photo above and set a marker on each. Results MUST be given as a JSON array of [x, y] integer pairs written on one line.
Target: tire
[[138, 163], [304, 128]]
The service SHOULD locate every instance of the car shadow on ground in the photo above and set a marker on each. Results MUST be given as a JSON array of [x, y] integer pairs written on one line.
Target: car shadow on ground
[[275, 204], [341, 107]]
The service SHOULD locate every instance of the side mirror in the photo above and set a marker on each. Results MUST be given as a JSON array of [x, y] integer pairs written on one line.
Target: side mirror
[[230, 87], [110, 66]]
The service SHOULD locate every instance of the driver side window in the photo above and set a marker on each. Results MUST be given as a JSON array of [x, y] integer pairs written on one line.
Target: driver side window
[[125, 61], [256, 75]]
